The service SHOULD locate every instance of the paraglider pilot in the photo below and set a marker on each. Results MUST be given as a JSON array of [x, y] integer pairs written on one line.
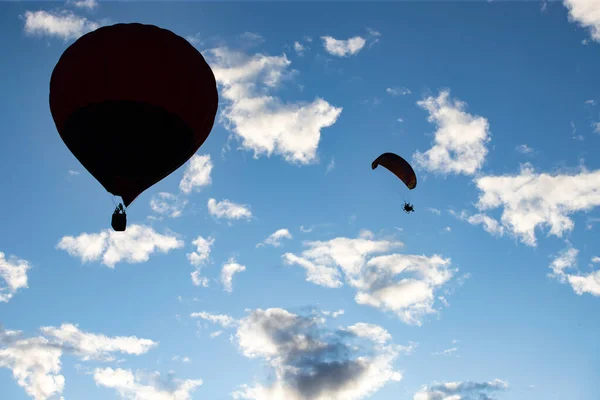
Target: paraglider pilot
[[408, 208]]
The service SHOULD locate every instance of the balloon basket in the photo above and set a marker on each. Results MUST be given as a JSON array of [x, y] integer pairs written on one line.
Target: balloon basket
[[119, 222]]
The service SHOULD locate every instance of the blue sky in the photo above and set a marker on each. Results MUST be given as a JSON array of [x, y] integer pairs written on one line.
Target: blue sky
[[276, 264]]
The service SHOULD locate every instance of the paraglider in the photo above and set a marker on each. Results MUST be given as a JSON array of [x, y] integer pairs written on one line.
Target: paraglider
[[133, 103], [402, 169]]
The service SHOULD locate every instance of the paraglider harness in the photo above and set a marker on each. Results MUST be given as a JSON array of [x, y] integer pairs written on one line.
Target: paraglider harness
[[408, 208], [119, 219]]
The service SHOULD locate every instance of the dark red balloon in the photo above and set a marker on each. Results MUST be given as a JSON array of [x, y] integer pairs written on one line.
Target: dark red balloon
[[133, 103]]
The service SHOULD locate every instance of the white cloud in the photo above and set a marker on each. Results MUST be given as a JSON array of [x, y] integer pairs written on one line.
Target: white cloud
[[334, 314], [91, 346], [230, 268], [199, 280], [167, 203], [586, 13], [434, 210], [135, 245], [202, 254], [596, 260], [373, 332], [197, 174], [311, 361], [215, 334], [300, 48], [145, 386], [446, 352], [13, 271], [398, 91], [524, 149], [466, 390], [321, 275], [252, 38], [490, 225], [590, 102], [263, 123], [343, 48], [88, 4], [275, 238], [199, 258], [35, 365], [72, 172], [36, 361], [64, 25], [228, 209], [400, 283], [224, 320], [531, 200], [460, 140], [580, 282]]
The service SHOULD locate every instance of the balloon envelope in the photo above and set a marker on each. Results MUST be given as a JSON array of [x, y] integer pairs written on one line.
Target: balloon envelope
[[133, 103]]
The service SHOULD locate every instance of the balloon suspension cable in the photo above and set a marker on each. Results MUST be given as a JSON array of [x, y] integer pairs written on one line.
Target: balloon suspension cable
[[112, 198]]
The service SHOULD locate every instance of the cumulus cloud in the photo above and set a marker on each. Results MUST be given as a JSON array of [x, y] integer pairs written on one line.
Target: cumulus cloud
[[202, 253], [533, 200], [262, 122], [465, 390], [199, 258], [199, 280], [399, 91], [586, 13], [13, 272], [230, 268], [581, 283], [64, 25], [167, 204], [35, 365], [460, 139], [36, 362], [135, 245], [400, 283], [311, 361], [196, 174], [145, 386], [275, 238], [228, 209], [343, 48]]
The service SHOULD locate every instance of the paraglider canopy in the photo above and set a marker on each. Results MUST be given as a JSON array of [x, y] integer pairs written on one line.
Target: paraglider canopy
[[133, 103], [399, 167]]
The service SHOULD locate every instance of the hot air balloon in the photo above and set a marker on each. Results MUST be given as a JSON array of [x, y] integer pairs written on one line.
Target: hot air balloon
[[402, 169], [133, 103]]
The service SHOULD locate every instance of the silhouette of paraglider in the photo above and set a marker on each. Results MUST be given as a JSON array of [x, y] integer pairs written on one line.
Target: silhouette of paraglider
[[402, 169], [133, 103]]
